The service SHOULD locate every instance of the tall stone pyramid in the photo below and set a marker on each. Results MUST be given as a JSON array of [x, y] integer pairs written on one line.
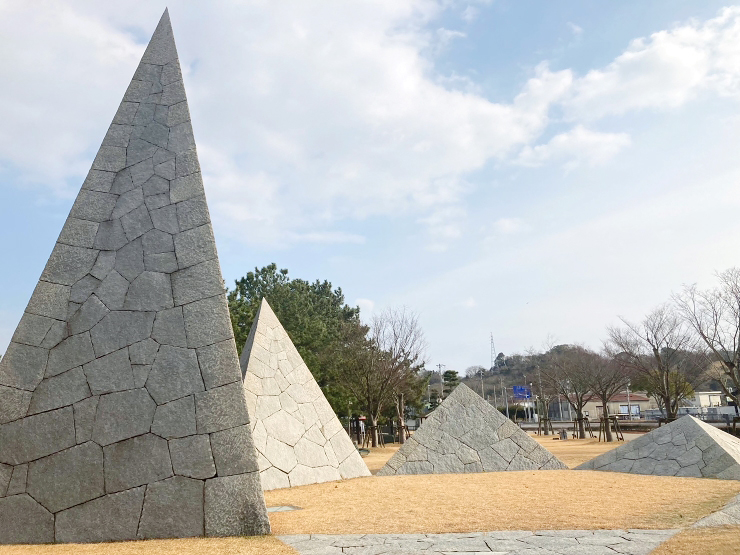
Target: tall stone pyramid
[[685, 447], [467, 434], [298, 437], [121, 406]]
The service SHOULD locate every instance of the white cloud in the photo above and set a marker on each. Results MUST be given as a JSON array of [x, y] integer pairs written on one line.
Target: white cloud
[[59, 65], [509, 226], [665, 70], [366, 307], [305, 116], [469, 14], [446, 36], [577, 30], [575, 147], [308, 116]]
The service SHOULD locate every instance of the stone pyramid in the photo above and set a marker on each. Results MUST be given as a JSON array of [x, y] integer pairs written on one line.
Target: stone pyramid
[[467, 434], [298, 437], [121, 406], [685, 447]]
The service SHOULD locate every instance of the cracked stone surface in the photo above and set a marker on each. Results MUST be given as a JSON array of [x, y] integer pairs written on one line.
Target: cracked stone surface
[[685, 447], [466, 434], [507, 542], [124, 360], [294, 429]]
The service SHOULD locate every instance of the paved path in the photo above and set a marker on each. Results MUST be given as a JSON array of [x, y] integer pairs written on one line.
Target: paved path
[[543, 542]]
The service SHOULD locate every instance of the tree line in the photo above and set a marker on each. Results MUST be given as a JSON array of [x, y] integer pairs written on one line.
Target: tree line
[[693, 339], [373, 368]]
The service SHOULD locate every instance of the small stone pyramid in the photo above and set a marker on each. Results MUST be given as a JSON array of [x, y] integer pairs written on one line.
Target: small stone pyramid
[[121, 406], [467, 434], [685, 447], [298, 437]]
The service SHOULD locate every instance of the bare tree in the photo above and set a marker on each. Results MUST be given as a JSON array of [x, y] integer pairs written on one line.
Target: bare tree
[[474, 371], [661, 350], [608, 378], [714, 315], [570, 372], [545, 390], [384, 362]]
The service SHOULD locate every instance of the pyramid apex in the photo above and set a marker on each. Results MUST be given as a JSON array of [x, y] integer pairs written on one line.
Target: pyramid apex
[[161, 49], [496, 442]]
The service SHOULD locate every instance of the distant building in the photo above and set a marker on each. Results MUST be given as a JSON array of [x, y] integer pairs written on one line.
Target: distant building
[[705, 399], [627, 407]]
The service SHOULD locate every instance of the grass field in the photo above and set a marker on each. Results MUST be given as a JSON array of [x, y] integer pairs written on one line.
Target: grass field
[[577, 451], [264, 545], [379, 456], [552, 499], [703, 541]]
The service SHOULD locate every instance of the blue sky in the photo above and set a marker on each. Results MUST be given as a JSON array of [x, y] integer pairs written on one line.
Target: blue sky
[[531, 169]]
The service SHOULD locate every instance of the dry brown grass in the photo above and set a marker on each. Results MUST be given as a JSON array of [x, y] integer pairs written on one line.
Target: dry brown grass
[[379, 456], [261, 545], [553, 499], [703, 541], [577, 451]]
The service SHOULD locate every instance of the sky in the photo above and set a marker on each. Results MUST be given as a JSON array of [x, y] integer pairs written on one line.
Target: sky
[[527, 170]]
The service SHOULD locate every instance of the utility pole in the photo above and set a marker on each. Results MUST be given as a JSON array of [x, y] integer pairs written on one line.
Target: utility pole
[[441, 381], [493, 363], [503, 391]]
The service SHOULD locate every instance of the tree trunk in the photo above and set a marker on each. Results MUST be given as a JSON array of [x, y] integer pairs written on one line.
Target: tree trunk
[[607, 425], [581, 425], [670, 412], [374, 430], [401, 422]]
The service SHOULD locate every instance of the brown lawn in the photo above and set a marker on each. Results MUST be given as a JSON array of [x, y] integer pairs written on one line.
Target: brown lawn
[[577, 451], [379, 456], [703, 541], [263, 545], [553, 499]]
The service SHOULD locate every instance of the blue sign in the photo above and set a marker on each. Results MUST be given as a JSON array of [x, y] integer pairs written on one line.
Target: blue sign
[[522, 392]]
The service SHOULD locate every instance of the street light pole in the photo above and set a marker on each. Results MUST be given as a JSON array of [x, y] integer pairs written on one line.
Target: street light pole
[[506, 401]]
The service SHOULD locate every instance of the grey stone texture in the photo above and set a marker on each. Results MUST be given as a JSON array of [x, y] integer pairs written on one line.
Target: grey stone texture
[[113, 517], [135, 462], [25, 521], [67, 478], [684, 447], [235, 506], [110, 388], [504, 542], [192, 457], [158, 520], [467, 434], [297, 435]]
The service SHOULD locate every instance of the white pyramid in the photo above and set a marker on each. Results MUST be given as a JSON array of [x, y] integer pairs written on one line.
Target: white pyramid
[[685, 447], [298, 437], [467, 434]]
